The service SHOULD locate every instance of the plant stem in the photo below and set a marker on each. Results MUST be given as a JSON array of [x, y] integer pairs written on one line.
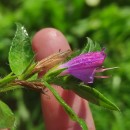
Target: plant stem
[[8, 88]]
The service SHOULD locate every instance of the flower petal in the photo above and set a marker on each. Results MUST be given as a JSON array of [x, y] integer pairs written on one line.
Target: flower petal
[[86, 75]]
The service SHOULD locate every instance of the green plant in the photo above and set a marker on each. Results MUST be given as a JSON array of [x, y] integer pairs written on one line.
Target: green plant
[[24, 74]]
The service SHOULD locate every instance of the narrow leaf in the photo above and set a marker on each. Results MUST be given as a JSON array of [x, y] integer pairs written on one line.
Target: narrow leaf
[[69, 111], [21, 52], [94, 96], [7, 118]]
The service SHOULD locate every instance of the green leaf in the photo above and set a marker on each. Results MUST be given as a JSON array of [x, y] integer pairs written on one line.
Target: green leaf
[[91, 46], [70, 112], [20, 53], [7, 118], [94, 96]]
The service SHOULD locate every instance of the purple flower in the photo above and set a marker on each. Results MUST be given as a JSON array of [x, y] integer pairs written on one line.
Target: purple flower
[[85, 66]]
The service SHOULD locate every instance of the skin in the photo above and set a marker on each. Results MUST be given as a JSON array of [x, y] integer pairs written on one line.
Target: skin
[[46, 42]]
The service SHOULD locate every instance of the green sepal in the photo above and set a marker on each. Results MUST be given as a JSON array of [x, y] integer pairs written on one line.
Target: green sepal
[[7, 118], [74, 54], [52, 74], [91, 46]]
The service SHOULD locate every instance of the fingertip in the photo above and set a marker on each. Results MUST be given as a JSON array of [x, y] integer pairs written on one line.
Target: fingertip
[[48, 41]]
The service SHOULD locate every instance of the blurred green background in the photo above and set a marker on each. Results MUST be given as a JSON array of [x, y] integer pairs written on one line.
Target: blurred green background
[[105, 21]]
